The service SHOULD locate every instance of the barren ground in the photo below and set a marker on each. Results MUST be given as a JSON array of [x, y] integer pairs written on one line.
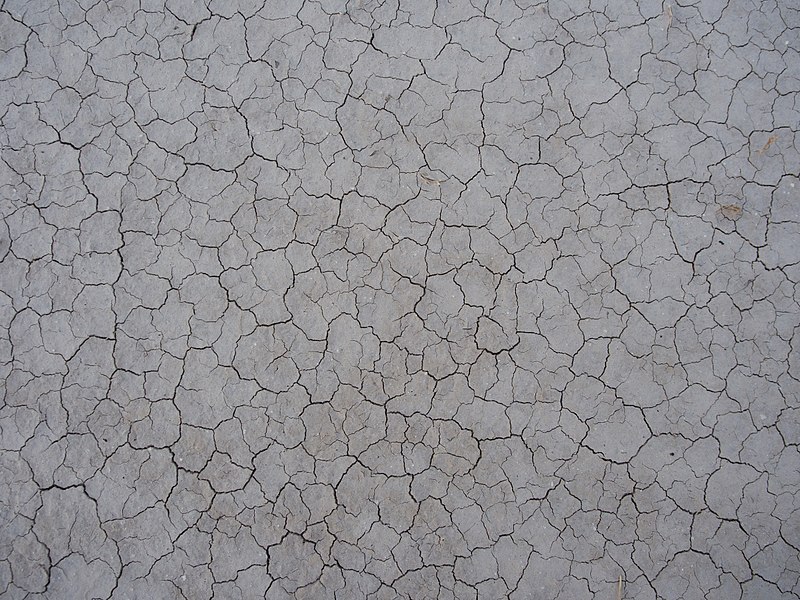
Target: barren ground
[[470, 299]]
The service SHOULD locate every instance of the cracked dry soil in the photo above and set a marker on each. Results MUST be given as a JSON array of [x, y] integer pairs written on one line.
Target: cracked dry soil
[[464, 299]]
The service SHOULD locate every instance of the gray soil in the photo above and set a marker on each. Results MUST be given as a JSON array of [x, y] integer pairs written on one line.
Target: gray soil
[[467, 299]]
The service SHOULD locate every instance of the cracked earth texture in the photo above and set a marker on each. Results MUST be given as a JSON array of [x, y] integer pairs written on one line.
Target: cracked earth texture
[[400, 299]]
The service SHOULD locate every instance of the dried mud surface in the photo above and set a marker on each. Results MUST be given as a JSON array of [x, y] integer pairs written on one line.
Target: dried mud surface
[[399, 299]]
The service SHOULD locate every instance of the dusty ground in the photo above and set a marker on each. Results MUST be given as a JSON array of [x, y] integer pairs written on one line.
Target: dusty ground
[[400, 299]]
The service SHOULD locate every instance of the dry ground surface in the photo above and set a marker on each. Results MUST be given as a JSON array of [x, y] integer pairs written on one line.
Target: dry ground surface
[[465, 299]]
